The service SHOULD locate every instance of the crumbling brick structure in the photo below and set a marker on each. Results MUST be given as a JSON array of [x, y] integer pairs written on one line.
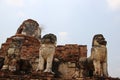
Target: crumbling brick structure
[[24, 44], [29, 46], [24, 47]]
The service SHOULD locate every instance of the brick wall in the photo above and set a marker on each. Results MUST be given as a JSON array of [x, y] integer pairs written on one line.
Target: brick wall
[[71, 52]]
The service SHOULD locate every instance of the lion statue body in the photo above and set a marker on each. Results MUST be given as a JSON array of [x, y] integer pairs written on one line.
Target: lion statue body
[[46, 53], [99, 55]]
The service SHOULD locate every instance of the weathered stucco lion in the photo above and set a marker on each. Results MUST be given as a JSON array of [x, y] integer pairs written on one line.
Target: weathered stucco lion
[[99, 55], [46, 52]]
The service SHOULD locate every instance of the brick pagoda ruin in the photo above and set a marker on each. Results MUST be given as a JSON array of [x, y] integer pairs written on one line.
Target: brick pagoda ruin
[[19, 57]]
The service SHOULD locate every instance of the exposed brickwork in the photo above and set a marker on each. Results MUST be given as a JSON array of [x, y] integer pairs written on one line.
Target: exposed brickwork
[[71, 52], [29, 46]]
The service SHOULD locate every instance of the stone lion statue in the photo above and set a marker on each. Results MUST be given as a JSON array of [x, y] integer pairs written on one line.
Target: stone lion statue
[[99, 55], [46, 52]]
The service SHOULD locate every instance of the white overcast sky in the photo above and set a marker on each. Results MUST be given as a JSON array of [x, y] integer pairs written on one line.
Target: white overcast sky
[[73, 21]]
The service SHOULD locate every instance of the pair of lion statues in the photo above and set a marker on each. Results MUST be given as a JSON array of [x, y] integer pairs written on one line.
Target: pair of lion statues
[[95, 65]]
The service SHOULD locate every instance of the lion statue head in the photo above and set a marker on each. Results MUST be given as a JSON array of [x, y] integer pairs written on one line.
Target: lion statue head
[[99, 39], [49, 39]]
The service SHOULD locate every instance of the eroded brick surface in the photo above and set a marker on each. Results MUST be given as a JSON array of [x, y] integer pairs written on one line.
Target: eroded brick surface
[[71, 52]]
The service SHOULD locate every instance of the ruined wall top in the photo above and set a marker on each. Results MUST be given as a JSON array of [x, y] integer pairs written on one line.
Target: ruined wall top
[[30, 28]]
